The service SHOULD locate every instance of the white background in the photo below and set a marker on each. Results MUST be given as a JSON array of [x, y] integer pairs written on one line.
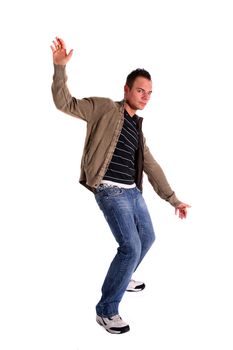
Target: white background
[[55, 245]]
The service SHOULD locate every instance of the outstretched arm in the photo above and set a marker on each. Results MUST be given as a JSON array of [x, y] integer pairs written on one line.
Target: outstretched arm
[[160, 184]]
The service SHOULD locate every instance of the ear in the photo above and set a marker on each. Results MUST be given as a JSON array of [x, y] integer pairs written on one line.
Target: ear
[[126, 89]]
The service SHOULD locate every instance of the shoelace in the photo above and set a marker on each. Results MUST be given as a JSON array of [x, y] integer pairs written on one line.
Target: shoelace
[[116, 318]]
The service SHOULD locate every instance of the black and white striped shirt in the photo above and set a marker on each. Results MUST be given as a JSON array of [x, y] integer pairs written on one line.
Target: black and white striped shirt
[[122, 166]]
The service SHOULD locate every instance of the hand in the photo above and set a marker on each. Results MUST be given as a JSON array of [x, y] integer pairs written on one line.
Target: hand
[[60, 55], [182, 209]]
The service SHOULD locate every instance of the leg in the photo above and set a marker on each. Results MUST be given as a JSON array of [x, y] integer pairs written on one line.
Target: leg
[[144, 225], [118, 208]]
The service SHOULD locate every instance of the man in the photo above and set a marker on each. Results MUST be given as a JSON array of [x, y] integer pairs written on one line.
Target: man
[[114, 158]]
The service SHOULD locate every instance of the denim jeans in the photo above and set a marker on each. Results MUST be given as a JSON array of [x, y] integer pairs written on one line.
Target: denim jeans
[[127, 215]]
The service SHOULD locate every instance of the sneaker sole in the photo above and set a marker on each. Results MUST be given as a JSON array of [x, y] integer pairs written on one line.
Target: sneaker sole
[[139, 289]]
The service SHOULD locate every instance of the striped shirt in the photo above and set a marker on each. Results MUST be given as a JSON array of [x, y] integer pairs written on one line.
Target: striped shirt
[[122, 166]]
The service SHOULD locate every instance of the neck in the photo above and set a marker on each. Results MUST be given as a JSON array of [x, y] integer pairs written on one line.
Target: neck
[[129, 109]]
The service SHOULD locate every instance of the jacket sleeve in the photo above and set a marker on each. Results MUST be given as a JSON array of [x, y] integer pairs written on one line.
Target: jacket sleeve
[[85, 108], [157, 178]]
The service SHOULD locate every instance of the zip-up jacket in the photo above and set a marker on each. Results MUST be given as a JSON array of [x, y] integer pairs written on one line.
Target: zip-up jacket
[[105, 119]]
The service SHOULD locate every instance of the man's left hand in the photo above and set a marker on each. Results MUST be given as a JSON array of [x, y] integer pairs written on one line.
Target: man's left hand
[[181, 209]]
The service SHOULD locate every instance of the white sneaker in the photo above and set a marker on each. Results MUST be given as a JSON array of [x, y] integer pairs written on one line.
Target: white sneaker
[[135, 286], [113, 324]]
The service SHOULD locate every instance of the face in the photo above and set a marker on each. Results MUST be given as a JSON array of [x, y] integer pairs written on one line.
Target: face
[[138, 96]]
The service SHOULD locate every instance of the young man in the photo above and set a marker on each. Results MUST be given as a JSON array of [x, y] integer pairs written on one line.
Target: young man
[[114, 158]]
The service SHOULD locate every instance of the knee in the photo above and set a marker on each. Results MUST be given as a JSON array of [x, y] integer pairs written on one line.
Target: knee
[[132, 250], [149, 240]]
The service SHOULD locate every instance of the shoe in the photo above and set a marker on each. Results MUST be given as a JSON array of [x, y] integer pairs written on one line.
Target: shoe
[[135, 286], [114, 324]]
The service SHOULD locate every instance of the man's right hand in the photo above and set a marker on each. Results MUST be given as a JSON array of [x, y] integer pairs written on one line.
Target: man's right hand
[[60, 56]]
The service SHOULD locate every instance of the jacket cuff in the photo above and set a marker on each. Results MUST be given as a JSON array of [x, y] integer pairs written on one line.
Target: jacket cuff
[[173, 200], [59, 71]]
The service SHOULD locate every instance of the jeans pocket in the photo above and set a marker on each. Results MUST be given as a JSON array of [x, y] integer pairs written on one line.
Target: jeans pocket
[[108, 193], [114, 191]]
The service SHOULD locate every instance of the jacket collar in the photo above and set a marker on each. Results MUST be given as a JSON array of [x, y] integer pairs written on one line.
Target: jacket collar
[[120, 106]]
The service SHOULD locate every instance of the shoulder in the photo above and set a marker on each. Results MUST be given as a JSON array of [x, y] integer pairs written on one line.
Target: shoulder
[[102, 101], [103, 105]]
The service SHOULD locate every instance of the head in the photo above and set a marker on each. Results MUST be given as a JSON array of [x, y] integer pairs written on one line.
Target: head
[[138, 89]]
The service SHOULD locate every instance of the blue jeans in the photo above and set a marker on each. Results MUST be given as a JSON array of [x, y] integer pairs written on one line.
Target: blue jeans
[[127, 215]]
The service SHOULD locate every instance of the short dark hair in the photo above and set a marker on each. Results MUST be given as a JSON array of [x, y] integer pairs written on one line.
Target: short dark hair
[[139, 72]]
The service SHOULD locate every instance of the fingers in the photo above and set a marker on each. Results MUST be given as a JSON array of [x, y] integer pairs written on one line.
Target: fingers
[[70, 54], [61, 43], [54, 46], [58, 44], [53, 49], [182, 210], [181, 213]]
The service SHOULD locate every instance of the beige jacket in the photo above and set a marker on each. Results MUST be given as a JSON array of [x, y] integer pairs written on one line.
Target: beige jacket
[[105, 119]]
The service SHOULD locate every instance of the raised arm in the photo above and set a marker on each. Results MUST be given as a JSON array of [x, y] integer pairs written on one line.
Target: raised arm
[[63, 100], [86, 108]]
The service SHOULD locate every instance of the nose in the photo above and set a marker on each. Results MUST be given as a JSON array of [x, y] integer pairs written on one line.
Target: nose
[[146, 96]]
